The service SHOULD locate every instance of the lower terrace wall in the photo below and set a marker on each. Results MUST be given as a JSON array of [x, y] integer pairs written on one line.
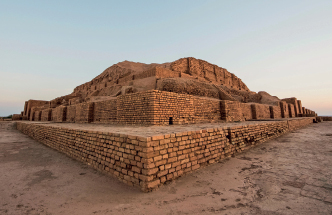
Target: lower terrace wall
[[326, 118], [115, 154], [148, 162]]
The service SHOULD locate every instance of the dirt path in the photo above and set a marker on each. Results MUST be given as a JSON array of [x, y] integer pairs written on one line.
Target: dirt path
[[289, 175]]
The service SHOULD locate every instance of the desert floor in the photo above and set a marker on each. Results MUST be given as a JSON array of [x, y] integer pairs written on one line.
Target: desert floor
[[288, 175]]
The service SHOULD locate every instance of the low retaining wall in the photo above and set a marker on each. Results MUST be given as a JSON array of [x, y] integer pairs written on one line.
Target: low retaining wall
[[326, 118], [148, 162]]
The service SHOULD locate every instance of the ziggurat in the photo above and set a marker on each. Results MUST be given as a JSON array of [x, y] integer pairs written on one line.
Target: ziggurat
[[186, 91]]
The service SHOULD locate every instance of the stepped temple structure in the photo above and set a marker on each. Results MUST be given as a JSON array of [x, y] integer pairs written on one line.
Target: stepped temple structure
[[185, 91], [222, 114]]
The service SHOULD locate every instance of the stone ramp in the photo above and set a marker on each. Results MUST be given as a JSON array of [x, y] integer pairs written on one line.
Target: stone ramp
[[150, 156]]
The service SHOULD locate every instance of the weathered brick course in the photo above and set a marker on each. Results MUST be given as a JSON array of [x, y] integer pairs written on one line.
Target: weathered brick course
[[148, 162]]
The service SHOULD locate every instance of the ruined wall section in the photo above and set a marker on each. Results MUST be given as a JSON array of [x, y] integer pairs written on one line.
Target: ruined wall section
[[210, 72], [157, 72]]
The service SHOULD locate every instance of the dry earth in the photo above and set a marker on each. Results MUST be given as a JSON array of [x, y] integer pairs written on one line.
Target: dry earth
[[288, 175]]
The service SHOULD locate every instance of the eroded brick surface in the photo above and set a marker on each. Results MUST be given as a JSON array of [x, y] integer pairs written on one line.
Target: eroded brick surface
[[148, 162]]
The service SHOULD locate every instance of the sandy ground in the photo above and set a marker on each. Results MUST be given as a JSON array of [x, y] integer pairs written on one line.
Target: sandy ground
[[289, 175]]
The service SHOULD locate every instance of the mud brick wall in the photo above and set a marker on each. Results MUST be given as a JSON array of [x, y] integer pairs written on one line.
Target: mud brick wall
[[291, 110], [307, 112], [170, 156], [231, 111], [101, 86], [299, 104], [59, 114], [162, 108], [84, 112], [114, 154], [275, 112], [284, 109], [25, 112], [74, 101], [206, 110], [243, 137], [33, 103], [38, 115], [35, 114], [46, 114], [145, 74], [105, 111], [184, 109], [126, 79], [203, 69], [312, 113], [180, 107], [304, 111], [71, 113], [260, 111], [32, 114], [157, 72], [294, 124], [148, 162], [16, 117], [156, 107], [326, 118], [246, 111], [293, 101], [136, 108]]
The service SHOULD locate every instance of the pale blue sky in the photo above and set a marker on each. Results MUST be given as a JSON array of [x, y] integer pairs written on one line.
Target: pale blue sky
[[47, 48]]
